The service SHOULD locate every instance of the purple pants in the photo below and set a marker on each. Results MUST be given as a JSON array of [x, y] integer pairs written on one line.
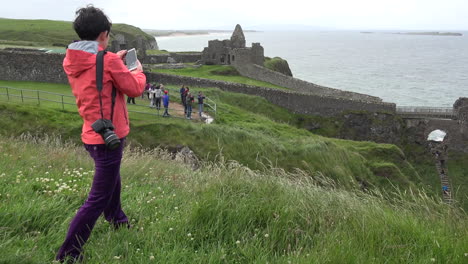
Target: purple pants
[[104, 197]]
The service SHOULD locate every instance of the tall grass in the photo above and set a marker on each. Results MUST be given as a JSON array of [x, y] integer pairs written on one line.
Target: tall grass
[[222, 213], [252, 131]]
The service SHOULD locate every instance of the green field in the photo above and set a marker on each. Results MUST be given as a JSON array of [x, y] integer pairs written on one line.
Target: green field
[[250, 137], [217, 72], [221, 213], [249, 129]]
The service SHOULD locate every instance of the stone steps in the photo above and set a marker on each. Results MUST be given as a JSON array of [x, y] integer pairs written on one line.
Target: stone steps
[[445, 182]]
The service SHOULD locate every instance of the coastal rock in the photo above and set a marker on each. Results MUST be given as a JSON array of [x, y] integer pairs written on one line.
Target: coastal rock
[[461, 110], [279, 65], [377, 127], [185, 155]]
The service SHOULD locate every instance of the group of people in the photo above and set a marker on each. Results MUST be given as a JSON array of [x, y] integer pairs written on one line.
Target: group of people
[[157, 93], [188, 99]]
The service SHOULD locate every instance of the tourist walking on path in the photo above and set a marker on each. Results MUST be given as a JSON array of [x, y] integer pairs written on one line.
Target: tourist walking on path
[[201, 97], [93, 27], [189, 105], [158, 93], [130, 100], [147, 88], [183, 97], [166, 104], [151, 93]]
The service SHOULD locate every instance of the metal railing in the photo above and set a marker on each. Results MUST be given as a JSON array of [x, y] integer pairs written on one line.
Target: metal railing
[[38, 96], [424, 111]]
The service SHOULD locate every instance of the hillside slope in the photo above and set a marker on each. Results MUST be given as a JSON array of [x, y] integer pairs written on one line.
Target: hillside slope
[[251, 137], [253, 132], [221, 213], [53, 33]]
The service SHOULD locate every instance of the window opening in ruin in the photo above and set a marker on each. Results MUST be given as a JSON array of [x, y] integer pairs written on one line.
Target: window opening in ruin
[[214, 56], [232, 57], [222, 59]]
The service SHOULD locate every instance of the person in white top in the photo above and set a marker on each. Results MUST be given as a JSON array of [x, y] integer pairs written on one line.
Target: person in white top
[[158, 93]]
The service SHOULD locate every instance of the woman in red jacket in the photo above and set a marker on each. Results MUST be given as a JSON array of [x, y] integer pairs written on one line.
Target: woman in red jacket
[[93, 27]]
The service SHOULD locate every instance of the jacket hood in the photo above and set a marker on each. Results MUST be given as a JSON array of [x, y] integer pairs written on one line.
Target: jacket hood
[[80, 57]]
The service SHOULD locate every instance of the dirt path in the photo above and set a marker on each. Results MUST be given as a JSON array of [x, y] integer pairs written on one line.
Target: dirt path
[[176, 109]]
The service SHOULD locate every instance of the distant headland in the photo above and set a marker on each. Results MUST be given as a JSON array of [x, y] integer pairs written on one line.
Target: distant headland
[[435, 33], [455, 34], [176, 33]]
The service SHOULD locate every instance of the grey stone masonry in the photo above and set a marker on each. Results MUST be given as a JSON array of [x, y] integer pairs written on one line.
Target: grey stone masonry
[[238, 38], [461, 110], [230, 51], [40, 67], [263, 74], [178, 57], [297, 102], [32, 66]]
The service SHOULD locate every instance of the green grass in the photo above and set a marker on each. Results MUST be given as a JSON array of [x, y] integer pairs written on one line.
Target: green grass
[[253, 132], [26, 32], [221, 213], [250, 138], [212, 72], [278, 64]]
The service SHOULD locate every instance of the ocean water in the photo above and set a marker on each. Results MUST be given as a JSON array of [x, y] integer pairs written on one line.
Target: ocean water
[[409, 70]]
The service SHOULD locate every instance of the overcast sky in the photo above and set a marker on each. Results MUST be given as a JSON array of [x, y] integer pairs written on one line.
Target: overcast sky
[[214, 14]]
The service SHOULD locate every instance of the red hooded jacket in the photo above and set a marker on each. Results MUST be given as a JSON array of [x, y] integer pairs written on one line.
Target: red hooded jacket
[[80, 66]]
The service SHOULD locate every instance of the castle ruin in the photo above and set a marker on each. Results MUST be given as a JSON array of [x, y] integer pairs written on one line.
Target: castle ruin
[[233, 51]]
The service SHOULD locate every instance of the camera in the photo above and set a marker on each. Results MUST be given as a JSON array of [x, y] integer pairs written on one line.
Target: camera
[[105, 128]]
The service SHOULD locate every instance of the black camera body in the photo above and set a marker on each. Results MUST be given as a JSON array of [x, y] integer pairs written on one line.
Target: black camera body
[[106, 129]]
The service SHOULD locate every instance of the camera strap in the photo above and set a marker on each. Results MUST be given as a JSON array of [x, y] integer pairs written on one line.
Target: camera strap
[[99, 79]]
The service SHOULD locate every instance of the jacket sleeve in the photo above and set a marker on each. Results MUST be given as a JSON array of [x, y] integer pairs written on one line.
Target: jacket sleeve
[[130, 83]]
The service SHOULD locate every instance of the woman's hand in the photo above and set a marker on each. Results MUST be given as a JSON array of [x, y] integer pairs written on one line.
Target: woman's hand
[[122, 54], [139, 67]]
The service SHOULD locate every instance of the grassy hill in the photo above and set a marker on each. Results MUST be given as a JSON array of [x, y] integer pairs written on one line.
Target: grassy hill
[[221, 213], [26, 32], [251, 138], [252, 131]]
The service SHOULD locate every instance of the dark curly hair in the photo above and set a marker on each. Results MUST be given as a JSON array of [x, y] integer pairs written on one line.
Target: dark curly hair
[[90, 22]]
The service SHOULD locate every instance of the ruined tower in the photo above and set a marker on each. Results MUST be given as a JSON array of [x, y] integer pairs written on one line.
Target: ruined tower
[[233, 51], [238, 38]]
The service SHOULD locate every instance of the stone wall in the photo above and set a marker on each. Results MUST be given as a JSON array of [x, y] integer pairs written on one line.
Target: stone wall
[[32, 66], [178, 57], [421, 128], [296, 102], [263, 74], [40, 67]]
